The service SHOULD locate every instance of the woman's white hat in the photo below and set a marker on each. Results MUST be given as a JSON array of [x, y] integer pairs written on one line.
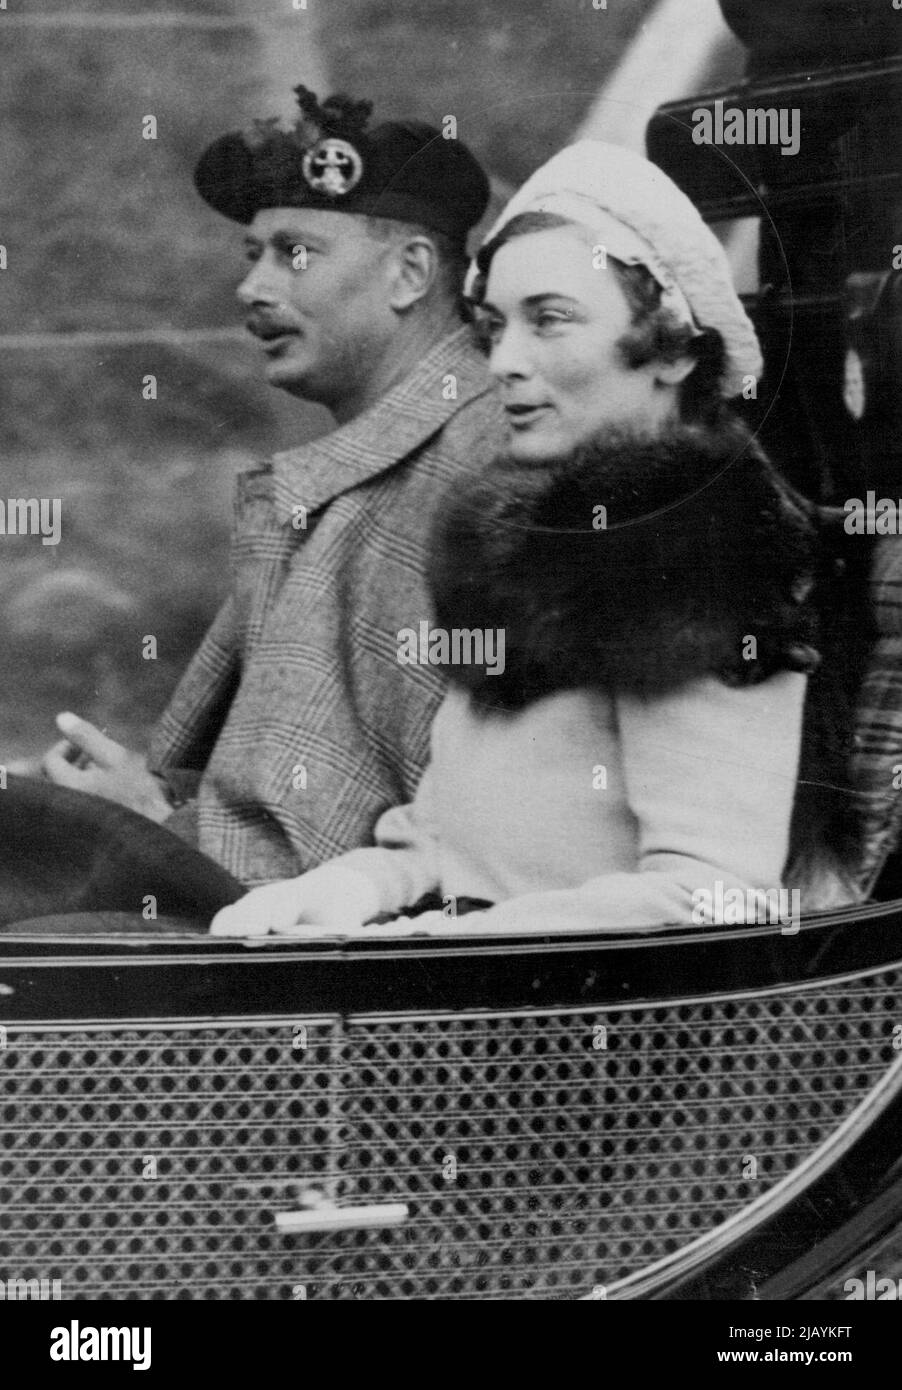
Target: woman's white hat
[[640, 217]]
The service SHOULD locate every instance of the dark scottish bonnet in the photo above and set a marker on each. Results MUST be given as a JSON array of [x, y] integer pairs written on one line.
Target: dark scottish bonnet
[[330, 160]]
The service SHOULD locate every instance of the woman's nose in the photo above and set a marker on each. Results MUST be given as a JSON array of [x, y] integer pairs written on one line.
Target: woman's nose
[[508, 356]]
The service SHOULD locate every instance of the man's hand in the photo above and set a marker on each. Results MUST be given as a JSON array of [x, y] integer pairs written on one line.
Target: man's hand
[[87, 761], [330, 898]]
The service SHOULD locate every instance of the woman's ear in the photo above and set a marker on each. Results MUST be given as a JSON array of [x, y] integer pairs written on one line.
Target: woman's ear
[[416, 268], [672, 373]]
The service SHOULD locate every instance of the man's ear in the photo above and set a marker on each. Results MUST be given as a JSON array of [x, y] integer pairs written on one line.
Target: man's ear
[[416, 268], [672, 373]]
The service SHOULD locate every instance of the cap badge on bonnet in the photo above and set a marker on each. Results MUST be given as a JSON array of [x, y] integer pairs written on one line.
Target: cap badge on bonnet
[[323, 134], [332, 167]]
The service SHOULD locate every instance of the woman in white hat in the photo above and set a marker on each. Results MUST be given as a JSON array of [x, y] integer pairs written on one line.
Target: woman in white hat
[[640, 574]]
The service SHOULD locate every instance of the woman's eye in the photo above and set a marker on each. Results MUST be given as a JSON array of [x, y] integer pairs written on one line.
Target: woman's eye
[[552, 318], [489, 330], [253, 253]]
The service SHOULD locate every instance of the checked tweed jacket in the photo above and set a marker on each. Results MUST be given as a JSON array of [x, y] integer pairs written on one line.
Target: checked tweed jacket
[[295, 711]]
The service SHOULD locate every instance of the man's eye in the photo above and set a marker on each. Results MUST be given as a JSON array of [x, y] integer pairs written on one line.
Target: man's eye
[[252, 253]]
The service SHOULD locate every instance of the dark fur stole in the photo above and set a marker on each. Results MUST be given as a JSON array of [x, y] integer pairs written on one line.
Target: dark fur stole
[[703, 547]]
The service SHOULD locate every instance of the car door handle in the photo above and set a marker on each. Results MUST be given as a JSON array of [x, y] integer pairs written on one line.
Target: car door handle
[[330, 1218], [319, 1214]]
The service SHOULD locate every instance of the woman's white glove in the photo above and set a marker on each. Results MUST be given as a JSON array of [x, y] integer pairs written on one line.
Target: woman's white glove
[[330, 897]]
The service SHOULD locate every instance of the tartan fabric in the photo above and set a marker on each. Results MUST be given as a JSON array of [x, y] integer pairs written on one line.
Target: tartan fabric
[[295, 708], [877, 751]]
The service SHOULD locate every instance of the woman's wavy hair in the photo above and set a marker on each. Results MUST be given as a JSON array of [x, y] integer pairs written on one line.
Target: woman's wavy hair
[[654, 332]]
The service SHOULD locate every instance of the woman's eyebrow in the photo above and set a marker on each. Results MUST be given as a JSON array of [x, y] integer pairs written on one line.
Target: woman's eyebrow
[[533, 299]]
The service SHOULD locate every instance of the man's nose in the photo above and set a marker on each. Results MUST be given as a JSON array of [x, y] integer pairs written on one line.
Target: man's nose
[[258, 286], [508, 355]]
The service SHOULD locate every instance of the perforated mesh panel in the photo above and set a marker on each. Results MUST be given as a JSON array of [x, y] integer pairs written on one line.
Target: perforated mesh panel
[[132, 1160], [539, 1154]]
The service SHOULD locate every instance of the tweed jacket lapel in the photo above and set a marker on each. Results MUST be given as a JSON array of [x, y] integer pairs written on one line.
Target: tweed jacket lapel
[[401, 421]]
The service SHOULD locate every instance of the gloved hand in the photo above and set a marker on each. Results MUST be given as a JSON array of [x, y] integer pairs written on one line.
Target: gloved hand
[[424, 924], [331, 897]]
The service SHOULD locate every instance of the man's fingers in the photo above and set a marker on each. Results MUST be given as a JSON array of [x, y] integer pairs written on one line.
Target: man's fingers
[[58, 766], [25, 767], [88, 739], [67, 750]]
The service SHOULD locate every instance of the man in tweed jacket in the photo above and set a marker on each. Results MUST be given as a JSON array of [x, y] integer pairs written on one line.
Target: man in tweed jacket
[[296, 707], [295, 725]]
